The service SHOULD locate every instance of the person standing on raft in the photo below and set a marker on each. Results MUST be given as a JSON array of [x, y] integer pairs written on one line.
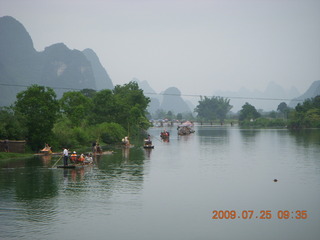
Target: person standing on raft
[[65, 157]]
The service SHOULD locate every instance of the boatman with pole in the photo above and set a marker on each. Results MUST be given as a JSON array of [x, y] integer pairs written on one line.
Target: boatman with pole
[[65, 156]]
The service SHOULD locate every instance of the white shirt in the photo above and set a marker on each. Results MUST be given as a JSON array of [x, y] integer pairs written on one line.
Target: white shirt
[[65, 152]]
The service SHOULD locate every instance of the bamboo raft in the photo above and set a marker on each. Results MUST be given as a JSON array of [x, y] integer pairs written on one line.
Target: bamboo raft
[[74, 165]]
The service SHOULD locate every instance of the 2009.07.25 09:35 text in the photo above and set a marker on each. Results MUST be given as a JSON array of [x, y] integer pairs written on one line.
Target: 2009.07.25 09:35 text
[[263, 214]]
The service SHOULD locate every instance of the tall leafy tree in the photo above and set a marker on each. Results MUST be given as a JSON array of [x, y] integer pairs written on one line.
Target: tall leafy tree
[[213, 108], [131, 105], [283, 108], [88, 92], [75, 106], [104, 108], [306, 114], [10, 126], [38, 108], [248, 112]]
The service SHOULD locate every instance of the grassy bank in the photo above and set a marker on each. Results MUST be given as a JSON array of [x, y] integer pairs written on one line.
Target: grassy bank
[[264, 123], [6, 156]]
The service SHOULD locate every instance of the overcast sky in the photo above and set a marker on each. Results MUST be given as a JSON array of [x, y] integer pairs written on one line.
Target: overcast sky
[[199, 46]]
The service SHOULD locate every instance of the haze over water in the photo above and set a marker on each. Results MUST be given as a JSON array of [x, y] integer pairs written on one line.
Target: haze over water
[[171, 191]]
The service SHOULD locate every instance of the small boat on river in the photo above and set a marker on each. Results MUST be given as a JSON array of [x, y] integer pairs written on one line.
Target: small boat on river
[[67, 166], [148, 143], [80, 165], [164, 135], [185, 128], [46, 150]]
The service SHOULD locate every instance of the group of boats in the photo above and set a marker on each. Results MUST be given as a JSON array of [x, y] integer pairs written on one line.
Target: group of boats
[[84, 160], [185, 128]]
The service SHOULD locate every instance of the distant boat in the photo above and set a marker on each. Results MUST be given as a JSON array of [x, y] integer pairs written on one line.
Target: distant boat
[[185, 128], [75, 165], [148, 144], [164, 134]]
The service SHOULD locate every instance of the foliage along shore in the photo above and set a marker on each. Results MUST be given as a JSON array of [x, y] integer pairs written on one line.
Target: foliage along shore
[[78, 119], [305, 115], [8, 156]]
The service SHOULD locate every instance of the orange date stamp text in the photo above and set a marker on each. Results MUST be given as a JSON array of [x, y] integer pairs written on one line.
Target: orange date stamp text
[[262, 214]]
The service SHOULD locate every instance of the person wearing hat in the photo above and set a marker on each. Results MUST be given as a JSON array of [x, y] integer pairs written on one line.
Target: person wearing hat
[[73, 156]]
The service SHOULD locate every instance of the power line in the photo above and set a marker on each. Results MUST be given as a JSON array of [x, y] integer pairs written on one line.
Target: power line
[[26, 86], [172, 94], [251, 98]]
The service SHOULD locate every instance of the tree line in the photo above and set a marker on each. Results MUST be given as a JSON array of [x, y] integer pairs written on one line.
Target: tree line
[[80, 117], [77, 119], [305, 115]]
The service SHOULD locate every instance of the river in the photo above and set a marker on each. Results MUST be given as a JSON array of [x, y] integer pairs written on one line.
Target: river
[[217, 183]]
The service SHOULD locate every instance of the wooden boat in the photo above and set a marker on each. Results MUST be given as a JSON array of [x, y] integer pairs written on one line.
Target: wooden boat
[[164, 135], [127, 145], [67, 166], [46, 150], [79, 165], [148, 144], [185, 129]]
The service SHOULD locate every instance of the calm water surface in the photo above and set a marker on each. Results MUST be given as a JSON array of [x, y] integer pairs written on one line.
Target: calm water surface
[[169, 192]]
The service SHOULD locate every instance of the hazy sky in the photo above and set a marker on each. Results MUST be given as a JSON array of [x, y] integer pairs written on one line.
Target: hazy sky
[[199, 46]]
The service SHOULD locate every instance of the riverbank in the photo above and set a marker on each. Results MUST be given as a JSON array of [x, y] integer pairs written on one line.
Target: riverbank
[[9, 155]]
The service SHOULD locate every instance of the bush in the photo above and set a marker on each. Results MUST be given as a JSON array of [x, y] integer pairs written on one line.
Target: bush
[[109, 132], [63, 134], [81, 135], [264, 122]]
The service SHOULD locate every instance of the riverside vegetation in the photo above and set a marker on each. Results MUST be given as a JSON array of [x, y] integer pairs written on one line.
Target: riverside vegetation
[[77, 119], [106, 116]]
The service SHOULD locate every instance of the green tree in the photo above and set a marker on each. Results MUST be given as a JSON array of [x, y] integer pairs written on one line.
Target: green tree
[[75, 106], [284, 109], [10, 126], [38, 108], [213, 108], [131, 106], [108, 132], [170, 115], [307, 114], [88, 92], [248, 112], [104, 108], [159, 114]]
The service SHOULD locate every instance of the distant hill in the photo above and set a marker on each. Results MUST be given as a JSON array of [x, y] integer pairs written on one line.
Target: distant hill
[[100, 74], [169, 100], [267, 100], [313, 91], [172, 101], [57, 66], [155, 99]]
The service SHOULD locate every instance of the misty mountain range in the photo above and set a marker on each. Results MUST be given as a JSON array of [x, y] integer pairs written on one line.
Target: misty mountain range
[[64, 69], [268, 100], [57, 66]]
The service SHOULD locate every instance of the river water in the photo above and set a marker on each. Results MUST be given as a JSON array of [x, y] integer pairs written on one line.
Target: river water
[[174, 190]]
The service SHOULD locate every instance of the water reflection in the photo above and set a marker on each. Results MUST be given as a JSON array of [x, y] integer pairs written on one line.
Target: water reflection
[[141, 193], [213, 135], [148, 152], [125, 152], [27, 181], [46, 159], [249, 135], [307, 137]]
